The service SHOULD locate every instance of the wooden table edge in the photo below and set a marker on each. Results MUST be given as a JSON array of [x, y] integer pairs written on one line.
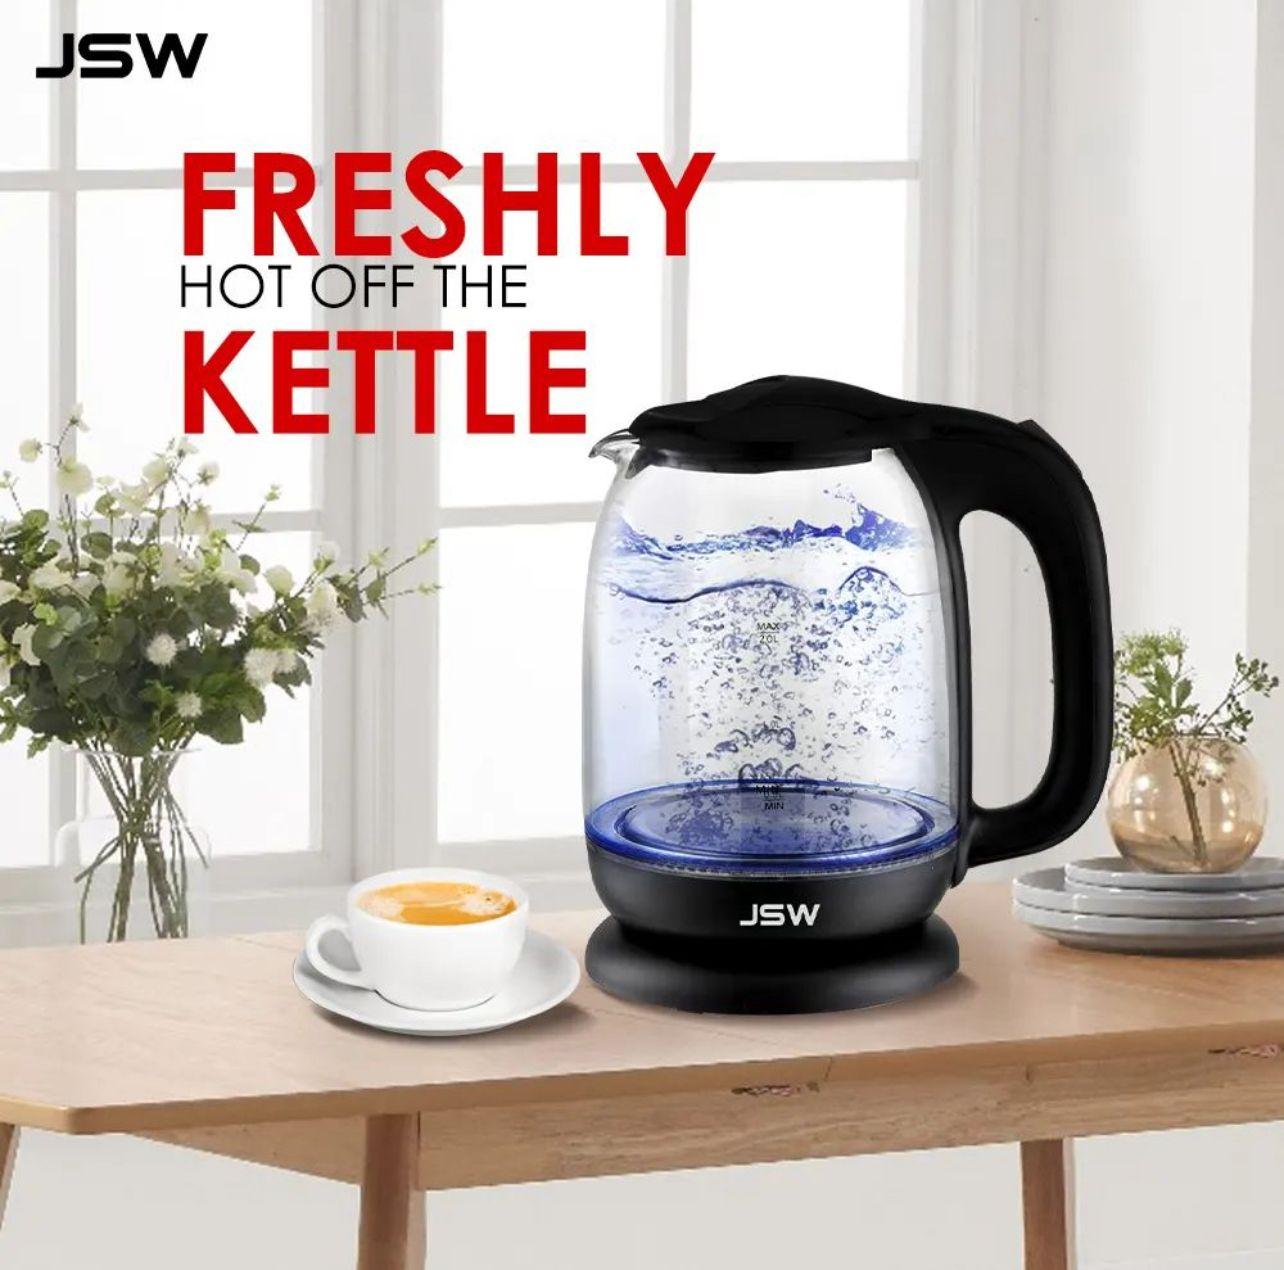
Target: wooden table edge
[[841, 1068], [605, 1135]]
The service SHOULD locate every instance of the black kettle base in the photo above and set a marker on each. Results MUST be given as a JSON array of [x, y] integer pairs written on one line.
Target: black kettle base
[[711, 977]]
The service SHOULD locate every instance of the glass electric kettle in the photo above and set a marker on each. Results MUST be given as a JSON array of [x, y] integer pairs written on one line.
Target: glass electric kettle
[[777, 706]]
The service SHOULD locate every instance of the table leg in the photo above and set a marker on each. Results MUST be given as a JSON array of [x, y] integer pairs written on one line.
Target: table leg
[[393, 1223], [8, 1156], [1047, 1192], [417, 1231]]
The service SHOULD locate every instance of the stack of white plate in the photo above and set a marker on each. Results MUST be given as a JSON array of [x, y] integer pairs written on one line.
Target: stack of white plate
[[1107, 905]]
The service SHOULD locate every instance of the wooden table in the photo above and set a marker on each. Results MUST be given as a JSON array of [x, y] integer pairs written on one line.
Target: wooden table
[[207, 1045]]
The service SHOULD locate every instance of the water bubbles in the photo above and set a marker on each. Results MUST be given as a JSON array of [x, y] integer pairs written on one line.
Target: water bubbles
[[776, 653], [769, 770]]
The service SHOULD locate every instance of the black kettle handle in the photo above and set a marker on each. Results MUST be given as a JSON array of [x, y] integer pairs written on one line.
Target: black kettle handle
[[1020, 473]]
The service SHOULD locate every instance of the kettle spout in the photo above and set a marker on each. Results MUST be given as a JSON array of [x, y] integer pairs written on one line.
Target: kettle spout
[[619, 447]]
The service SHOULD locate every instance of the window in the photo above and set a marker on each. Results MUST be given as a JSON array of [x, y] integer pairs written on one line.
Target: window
[[455, 733], [810, 113], [90, 246]]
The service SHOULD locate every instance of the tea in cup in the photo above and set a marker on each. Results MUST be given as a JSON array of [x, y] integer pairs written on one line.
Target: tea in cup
[[428, 939]]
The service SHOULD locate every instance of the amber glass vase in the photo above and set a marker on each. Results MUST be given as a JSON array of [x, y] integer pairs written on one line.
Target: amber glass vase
[[1194, 805]]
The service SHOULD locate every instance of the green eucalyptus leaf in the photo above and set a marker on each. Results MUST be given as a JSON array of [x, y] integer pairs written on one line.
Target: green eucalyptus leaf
[[70, 619], [95, 687], [252, 705], [45, 642], [132, 736], [97, 544], [123, 629], [223, 726]]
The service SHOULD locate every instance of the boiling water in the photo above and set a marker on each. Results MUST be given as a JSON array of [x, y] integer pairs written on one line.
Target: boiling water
[[793, 678]]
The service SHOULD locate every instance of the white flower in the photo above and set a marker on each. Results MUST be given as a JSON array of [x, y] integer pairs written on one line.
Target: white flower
[[323, 604], [85, 584], [280, 579], [174, 567], [8, 590], [119, 581], [74, 478], [207, 472], [29, 450], [22, 638], [260, 666], [156, 472], [184, 448], [327, 554], [197, 521], [231, 573], [77, 417], [133, 498], [161, 649], [286, 660], [49, 577], [188, 705]]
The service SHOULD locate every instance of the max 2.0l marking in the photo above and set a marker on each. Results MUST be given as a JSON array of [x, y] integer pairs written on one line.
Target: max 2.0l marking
[[782, 914], [104, 47]]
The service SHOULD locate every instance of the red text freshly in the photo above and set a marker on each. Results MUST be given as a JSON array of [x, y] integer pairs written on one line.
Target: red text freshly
[[370, 217]]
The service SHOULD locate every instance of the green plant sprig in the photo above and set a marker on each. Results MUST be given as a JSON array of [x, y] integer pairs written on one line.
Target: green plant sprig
[[1154, 703], [132, 621]]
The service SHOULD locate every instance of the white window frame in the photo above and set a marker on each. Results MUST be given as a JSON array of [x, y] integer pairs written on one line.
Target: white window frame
[[32, 898], [968, 300], [398, 51], [1265, 618]]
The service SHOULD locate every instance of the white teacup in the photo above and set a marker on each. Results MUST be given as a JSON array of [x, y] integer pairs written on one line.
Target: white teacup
[[426, 967]]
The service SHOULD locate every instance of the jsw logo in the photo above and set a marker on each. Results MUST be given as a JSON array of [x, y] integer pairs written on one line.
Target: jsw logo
[[782, 914], [114, 62]]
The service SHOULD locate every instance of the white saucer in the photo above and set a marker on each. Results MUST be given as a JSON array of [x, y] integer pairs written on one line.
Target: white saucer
[[1049, 888], [1252, 875], [1155, 934], [545, 975]]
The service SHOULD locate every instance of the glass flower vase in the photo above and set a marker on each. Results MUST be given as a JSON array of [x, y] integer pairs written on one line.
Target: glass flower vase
[[141, 865], [1194, 805]]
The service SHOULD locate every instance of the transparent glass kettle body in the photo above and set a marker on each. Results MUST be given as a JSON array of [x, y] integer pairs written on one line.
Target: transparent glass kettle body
[[766, 671]]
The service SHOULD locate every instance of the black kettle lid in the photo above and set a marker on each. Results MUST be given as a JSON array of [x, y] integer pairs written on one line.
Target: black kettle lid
[[787, 421]]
